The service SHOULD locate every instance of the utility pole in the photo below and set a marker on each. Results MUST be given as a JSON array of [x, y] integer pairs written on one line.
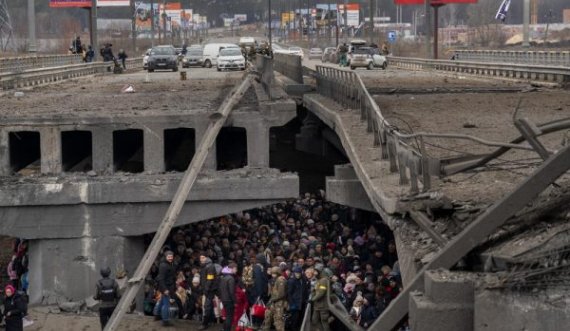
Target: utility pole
[[134, 25], [164, 17], [372, 11], [345, 19], [93, 31], [152, 23], [526, 18], [32, 42], [269, 24], [427, 26]]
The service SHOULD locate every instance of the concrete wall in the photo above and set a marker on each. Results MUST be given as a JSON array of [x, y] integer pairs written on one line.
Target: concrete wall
[[508, 311], [67, 269]]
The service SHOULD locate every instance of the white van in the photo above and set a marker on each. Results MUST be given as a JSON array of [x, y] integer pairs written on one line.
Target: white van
[[211, 52]]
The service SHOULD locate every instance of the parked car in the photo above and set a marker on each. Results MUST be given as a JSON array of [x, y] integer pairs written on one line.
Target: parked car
[[297, 51], [231, 58], [145, 58], [194, 57], [367, 57], [163, 58], [315, 53], [328, 55], [211, 52]]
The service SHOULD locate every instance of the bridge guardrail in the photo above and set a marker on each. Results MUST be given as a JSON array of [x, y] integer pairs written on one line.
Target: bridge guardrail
[[21, 63], [31, 77], [346, 88], [289, 65], [552, 74], [265, 66], [550, 58]]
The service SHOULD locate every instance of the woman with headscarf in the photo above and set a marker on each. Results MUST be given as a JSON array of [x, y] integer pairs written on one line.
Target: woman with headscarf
[[14, 309]]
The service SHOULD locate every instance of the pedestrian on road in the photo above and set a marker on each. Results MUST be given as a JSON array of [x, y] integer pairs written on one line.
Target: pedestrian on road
[[228, 293], [14, 309], [166, 285], [123, 58], [107, 292]]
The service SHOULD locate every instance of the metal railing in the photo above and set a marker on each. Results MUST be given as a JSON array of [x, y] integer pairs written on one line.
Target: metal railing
[[21, 63], [515, 71], [290, 66], [347, 89], [550, 58], [33, 77]]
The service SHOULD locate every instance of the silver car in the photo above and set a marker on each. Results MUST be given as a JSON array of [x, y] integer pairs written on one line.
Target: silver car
[[367, 57], [194, 57], [315, 53]]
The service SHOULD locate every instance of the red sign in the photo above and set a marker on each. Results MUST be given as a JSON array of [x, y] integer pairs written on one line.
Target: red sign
[[432, 2], [69, 3]]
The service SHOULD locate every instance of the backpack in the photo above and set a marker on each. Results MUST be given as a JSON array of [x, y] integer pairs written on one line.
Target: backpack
[[247, 276], [107, 291]]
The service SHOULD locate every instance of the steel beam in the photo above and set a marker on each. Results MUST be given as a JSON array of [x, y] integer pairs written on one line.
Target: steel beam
[[530, 132], [479, 230], [423, 222]]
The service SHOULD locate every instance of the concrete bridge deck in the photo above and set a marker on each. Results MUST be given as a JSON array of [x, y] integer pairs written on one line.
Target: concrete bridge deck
[[87, 170]]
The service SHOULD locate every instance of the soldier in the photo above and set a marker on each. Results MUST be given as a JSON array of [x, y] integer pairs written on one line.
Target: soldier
[[319, 299], [277, 303]]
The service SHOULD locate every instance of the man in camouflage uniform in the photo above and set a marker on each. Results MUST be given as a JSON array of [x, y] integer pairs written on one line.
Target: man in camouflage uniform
[[321, 314], [277, 303]]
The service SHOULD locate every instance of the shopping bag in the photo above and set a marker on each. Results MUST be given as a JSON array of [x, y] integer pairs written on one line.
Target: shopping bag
[[258, 309], [244, 323], [173, 311]]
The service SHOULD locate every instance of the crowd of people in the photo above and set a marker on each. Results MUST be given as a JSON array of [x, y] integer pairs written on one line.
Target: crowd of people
[[282, 257], [15, 298], [106, 52]]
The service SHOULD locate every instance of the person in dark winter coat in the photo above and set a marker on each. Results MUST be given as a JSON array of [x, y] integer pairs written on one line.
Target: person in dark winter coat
[[228, 294], [107, 292], [209, 282], [260, 281], [14, 309], [295, 287], [166, 285]]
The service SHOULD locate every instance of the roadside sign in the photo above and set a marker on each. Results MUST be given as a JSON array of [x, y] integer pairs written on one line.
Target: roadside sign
[[392, 36]]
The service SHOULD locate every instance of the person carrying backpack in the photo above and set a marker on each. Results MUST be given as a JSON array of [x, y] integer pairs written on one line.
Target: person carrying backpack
[[107, 293]]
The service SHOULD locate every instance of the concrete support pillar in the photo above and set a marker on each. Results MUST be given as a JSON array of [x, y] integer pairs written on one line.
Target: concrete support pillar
[[50, 141], [103, 150], [5, 153], [154, 149], [211, 161], [447, 303], [257, 145], [67, 269]]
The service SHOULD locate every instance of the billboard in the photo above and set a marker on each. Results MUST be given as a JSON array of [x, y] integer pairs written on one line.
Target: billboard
[[352, 14], [87, 3], [433, 2], [143, 16]]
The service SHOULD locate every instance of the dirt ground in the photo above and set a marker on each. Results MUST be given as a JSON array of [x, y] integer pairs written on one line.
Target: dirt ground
[[73, 322]]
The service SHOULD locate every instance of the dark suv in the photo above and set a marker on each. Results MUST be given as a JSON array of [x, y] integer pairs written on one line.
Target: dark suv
[[163, 58]]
